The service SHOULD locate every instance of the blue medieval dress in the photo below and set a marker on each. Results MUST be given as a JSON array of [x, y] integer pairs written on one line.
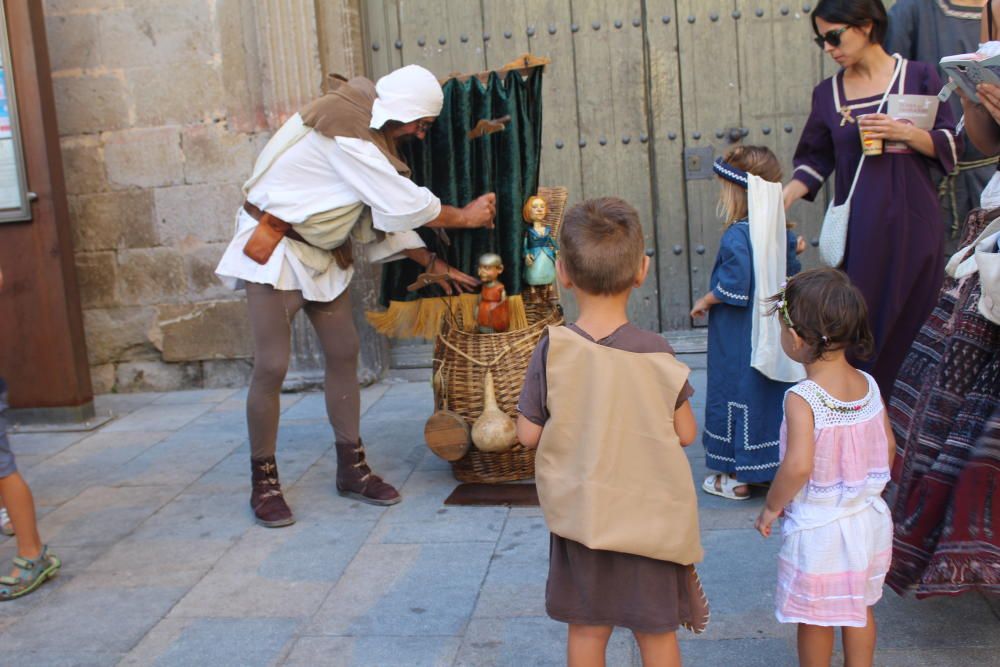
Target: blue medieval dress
[[542, 250], [743, 407]]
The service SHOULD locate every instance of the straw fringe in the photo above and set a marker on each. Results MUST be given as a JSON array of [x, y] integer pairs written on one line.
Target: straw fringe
[[422, 318]]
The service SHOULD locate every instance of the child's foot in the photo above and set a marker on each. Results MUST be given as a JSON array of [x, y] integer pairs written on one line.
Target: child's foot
[[29, 575], [725, 486], [6, 527]]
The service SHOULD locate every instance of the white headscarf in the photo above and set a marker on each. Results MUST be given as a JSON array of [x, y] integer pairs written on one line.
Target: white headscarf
[[768, 238], [405, 95]]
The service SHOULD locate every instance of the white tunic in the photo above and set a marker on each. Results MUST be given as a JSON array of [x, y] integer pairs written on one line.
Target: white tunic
[[319, 174]]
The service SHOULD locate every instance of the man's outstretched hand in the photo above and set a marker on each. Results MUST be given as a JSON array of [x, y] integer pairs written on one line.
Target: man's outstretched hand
[[481, 211], [477, 214]]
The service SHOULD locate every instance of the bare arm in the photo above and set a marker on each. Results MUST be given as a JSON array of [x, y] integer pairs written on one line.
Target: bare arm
[[797, 465], [685, 424], [477, 213], [702, 305], [528, 432], [981, 120], [793, 191]]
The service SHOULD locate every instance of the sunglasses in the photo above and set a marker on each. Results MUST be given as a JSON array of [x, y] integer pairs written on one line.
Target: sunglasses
[[831, 37]]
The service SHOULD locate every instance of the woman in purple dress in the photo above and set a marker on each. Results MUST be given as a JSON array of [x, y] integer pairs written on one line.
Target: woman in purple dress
[[895, 240]]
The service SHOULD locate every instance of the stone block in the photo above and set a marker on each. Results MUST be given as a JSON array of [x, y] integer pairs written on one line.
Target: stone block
[[146, 158], [240, 66], [201, 261], [205, 213], [83, 165], [214, 155], [69, 626], [156, 376], [73, 41], [90, 103], [102, 378], [157, 418], [113, 220], [212, 641], [155, 34], [208, 330], [227, 373], [116, 334], [405, 590], [370, 650], [191, 93], [96, 274], [54, 7], [151, 275]]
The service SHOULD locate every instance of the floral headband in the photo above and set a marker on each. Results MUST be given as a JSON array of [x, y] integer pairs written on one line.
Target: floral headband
[[782, 306]]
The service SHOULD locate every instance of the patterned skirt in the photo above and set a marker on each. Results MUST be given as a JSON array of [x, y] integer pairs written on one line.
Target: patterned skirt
[[944, 413]]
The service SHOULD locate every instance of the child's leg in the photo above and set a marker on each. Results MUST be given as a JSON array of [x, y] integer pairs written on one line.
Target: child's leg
[[21, 508], [859, 644], [815, 645], [587, 645], [659, 650]]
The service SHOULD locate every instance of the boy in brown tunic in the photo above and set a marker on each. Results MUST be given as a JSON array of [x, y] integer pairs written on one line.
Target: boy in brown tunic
[[606, 403]]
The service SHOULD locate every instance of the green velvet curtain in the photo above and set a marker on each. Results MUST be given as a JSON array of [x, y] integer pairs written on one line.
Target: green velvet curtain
[[458, 170]]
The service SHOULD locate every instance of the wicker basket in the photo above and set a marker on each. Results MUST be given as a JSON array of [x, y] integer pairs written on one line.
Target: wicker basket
[[461, 360]]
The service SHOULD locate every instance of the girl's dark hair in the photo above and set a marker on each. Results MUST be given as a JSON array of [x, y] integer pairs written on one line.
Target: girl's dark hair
[[827, 312], [855, 13]]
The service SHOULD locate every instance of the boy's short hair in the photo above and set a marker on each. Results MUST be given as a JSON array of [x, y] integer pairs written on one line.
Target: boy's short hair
[[602, 245]]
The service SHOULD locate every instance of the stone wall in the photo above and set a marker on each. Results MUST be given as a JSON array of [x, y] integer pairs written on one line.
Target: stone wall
[[162, 107]]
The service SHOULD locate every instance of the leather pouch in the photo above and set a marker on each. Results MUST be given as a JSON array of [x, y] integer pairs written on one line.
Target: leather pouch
[[265, 238]]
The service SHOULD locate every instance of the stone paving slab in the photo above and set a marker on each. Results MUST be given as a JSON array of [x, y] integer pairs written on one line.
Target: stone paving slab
[[365, 651], [163, 564]]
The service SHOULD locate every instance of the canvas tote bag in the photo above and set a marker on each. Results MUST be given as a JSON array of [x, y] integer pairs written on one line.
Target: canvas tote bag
[[833, 235], [610, 471], [985, 260]]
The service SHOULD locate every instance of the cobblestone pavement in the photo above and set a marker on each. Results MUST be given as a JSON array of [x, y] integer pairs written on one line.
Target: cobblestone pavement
[[163, 564]]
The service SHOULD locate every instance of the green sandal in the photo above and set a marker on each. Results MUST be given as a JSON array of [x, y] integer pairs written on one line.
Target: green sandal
[[31, 574]]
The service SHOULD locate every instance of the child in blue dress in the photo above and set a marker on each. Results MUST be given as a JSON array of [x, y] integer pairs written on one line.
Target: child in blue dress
[[744, 406]]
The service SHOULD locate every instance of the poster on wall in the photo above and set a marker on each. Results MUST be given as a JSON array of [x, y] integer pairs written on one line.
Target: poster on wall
[[4, 109], [14, 205]]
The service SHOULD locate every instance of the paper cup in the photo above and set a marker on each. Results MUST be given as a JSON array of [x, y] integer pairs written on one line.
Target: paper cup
[[869, 145]]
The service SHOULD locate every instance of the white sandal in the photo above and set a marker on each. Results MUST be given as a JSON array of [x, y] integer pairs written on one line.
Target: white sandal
[[722, 485], [5, 525]]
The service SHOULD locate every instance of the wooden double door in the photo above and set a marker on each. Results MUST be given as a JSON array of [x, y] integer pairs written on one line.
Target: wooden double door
[[641, 95]]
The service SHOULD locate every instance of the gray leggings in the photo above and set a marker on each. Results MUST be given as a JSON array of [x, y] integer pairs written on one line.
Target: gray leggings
[[271, 313]]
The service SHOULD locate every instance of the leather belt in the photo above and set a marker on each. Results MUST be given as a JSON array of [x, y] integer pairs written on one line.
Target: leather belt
[[269, 231], [256, 213]]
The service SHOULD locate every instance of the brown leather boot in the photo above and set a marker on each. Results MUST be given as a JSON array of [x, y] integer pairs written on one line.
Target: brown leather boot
[[266, 500], [356, 480]]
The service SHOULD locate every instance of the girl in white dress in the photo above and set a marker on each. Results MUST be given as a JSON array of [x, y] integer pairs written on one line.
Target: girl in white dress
[[836, 451]]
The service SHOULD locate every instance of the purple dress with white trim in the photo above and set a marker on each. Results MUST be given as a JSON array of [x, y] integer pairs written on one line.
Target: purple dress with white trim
[[895, 252]]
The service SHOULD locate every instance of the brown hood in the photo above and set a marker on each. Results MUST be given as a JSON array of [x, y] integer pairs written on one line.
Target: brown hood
[[345, 110]]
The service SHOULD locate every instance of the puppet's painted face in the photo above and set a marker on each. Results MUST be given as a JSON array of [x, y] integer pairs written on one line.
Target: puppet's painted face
[[538, 209], [489, 273]]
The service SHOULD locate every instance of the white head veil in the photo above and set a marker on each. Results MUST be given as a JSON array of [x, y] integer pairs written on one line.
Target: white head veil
[[768, 240], [405, 95]]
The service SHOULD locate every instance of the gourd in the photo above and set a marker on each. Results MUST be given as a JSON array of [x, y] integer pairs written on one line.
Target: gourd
[[493, 431], [446, 433]]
